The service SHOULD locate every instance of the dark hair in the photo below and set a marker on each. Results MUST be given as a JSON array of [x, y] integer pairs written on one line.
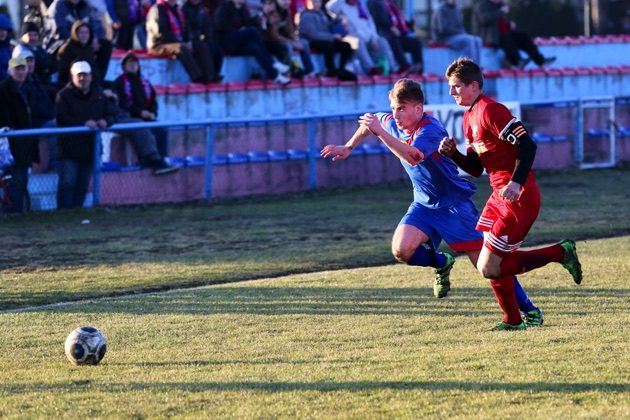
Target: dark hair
[[129, 56], [407, 90], [466, 70]]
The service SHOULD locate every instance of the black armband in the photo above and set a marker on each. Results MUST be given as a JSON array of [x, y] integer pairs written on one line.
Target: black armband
[[524, 159]]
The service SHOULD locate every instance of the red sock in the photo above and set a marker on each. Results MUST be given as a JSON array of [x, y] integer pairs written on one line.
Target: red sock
[[503, 289], [519, 262]]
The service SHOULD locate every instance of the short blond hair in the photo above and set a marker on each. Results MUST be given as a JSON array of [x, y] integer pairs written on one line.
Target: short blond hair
[[407, 90]]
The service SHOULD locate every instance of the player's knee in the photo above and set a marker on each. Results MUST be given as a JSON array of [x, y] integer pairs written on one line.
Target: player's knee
[[488, 271], [400, 254]]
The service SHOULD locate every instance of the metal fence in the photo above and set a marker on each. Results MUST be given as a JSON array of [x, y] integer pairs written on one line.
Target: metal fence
[[236, 157]]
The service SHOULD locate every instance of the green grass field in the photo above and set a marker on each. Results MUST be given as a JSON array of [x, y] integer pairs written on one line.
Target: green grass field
[[293, 307]]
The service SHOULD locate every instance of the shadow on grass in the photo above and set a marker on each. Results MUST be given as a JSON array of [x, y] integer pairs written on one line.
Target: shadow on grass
[[321, 386], [324, 301]]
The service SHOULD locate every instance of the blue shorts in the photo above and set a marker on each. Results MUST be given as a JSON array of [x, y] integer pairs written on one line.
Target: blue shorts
[[456, 225]]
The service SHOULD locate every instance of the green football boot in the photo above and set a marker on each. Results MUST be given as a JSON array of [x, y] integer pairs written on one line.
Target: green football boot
[[502, 326], [442, 283], [533, 318], [571, 261]]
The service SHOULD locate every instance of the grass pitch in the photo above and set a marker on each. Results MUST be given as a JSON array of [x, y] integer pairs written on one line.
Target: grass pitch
[[325, 335], [357, 343]]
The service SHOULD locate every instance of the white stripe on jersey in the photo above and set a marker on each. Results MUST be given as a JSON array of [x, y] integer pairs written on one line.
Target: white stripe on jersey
[[484, 221]]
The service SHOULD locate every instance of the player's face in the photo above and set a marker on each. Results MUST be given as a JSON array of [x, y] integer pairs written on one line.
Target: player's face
[[406, 114], [463, 94]]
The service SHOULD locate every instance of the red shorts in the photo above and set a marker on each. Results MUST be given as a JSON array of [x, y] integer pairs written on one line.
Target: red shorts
[[506, 223]]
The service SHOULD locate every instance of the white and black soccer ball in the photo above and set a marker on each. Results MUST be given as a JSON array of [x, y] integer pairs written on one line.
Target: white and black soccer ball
[[86, 346]]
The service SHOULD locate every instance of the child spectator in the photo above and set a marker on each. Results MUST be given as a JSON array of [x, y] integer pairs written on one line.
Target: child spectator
[[317, 28], [169, 33], [237, 33]]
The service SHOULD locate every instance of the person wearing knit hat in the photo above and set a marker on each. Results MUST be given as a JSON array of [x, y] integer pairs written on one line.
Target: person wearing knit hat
[[29, 27], [46, 64]]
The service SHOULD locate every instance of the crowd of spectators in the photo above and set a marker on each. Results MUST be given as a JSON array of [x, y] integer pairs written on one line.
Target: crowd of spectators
[[353, 36]]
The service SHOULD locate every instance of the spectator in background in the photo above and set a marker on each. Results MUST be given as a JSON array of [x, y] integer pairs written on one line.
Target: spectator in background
[[490, 22], [34, 11], [288, 34], [129, 20], [59, 20], [316, 27], [77, 48], [447, 25], [237, 33], [372, 48], [6, 29], [15, 113], [169, 33], [40, 97], [391, 25], [136, 96], [79, 103], [200, 23], [46, 64]]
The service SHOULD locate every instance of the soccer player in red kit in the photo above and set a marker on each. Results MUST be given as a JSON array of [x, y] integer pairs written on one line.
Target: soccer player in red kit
[[499, 143]]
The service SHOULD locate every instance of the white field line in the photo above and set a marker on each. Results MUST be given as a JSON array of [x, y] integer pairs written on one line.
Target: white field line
[[138, 295]]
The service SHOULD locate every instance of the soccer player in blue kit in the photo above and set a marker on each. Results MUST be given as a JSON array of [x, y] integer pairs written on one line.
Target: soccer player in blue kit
[[442, 208]]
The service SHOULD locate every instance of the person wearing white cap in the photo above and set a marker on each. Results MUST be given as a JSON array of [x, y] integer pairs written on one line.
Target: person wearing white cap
[[15, 114], [79, 103]]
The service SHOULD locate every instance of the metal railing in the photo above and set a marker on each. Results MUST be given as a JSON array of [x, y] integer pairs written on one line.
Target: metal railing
[[210, 127]]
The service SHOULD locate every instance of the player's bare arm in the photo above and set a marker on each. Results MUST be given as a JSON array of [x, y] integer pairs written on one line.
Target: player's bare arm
[[469, 163], [402, 150], [340, 152]]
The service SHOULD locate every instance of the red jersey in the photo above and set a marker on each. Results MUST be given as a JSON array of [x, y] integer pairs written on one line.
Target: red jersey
[[484, 124]]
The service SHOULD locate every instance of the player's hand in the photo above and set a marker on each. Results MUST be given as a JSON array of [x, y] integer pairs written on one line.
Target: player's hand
[[90, 124], [101, 123], [370, 122], [511, 192], [335, 152], [447, 147]]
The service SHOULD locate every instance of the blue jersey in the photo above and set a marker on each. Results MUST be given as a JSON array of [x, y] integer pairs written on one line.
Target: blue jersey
[[436, 181]]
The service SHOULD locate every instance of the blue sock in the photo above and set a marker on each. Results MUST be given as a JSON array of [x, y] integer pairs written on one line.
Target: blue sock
[[524, 303], [427, 257]]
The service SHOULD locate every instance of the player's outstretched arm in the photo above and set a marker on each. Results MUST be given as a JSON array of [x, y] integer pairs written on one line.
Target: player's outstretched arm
[[339, 152], [469, 163]]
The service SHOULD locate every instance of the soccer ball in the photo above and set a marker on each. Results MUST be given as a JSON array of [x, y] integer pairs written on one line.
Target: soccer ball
[[85, 346]]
